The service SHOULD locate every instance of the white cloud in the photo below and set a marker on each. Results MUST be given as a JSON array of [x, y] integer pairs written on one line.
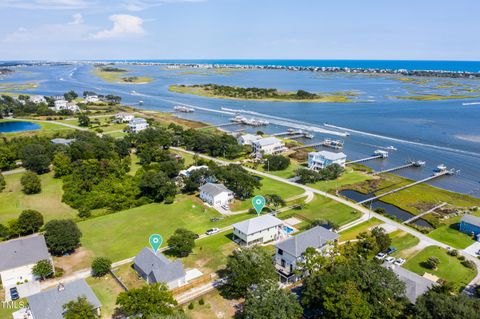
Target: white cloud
[[46, 4], [139, 5], [123, 25], [77, 19]]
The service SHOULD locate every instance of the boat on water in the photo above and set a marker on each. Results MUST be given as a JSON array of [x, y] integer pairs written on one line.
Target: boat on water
[[441, 168], [336, 144], [140, 102], [470, 103], [393, 148], [253, 122], [184, 109], [381, 153], [419, 163]]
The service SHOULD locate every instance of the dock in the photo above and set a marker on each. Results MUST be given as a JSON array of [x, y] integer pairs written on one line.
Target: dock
[[217, 125], [377, 154], [414, 218], [411, 164], [306, 145], [435, 175]]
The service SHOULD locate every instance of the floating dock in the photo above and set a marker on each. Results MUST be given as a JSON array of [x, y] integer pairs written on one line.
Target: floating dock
[[414, 218]]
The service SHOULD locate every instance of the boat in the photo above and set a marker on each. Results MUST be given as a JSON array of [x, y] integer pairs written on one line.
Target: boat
[[393, 148], [419, 163], [337, 144], [184, 109], [140, 102], [471, 103], [308, 135], [441, 168], [381, 153]]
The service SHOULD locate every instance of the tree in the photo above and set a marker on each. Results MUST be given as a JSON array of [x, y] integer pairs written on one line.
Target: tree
[[157, 186], [237, 179], [36, 157], [432, 262], [382, 239], [2, 183], [149, 301], [30, 221], [344, 300], [331, 172], [326, 223], [101, 266], [434, 305], [380, 210], [62, 164], [267, 301], [307, 176], [4, 232], [31, 183], [247, 267], [83, 120], [274, 201], [182, 242], [43, 269], [276, 163], [70, 95], [79, 309], [62, 236]]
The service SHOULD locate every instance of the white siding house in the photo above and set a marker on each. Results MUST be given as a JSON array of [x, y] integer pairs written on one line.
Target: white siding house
[[216, 194], [60, 105], [137, 125], [320, 160], [258, 230], [248, 139], [124, 117], [37, 99], [268, 146], [188, 171], [91, 98]]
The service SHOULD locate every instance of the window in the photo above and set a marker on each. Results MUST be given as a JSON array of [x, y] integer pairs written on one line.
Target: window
[[280, 252]]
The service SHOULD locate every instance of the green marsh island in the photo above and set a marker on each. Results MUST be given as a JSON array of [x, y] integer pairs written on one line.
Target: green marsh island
[[118, 75]]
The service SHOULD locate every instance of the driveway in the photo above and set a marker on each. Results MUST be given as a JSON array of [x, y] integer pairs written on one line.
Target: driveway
[[473, 249]]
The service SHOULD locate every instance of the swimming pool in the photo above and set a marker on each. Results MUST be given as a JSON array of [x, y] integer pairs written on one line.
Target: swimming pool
[[288, 230]]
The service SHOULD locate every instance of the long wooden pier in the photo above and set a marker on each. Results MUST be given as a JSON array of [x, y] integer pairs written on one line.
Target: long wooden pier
[[414, 218], [306, 145], [217, 125], [436, 175], [365, 159], [411, 164]]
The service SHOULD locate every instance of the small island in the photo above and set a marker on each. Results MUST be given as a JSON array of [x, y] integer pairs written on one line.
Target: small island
[[117, 75], [261, 94]]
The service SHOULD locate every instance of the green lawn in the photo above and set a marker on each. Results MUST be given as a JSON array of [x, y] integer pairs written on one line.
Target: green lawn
[[349, 177], [449, 269], [451, 236], [6, 312], [352, 233], [402, 241], [289, 172], [49, 202], [106, 289], [122, 235]]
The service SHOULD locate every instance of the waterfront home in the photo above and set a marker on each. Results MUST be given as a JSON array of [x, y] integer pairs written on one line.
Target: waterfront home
[[124, 117], [268, 146], [37, 99], [91, 98], [60, 105], [415, 285], [470, 225], [188, 171], [62, 141], [291, 251], [49, 304], [258, 230], [216, 194], [248, 139], [137, 125], [17, 258], [322, 159], [156, 268]]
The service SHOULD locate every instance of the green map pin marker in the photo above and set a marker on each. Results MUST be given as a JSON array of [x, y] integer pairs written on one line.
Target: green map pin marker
[[258, 203], [155, 241]]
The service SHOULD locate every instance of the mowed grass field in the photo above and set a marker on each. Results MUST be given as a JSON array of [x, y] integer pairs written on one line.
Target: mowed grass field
[[349, 177], [449, 269], [49, 202], [352, 233], [122, 235]]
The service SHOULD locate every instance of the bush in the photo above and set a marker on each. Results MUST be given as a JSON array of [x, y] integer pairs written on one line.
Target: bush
[[461, 258], [380, 210], [43, 269], [191, 306], [432, 262], [201, 302], [101, 266], [2, 182], [31, 183], [469, 264], [453, 252], [276, 163]]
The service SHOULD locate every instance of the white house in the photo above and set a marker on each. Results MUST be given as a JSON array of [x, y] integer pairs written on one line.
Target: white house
[[124, 117], [268, 146], [291, 250], [216, 194], [248, 139], [138, 124], [188, 171], [155, 267], [91, 98], [322, 159], [17, 258], [258, 230], [37, 99]]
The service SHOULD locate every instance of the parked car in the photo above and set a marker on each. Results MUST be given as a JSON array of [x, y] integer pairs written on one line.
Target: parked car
[[212, 231], [399, 261], [14, 293], [391, 250], [390, 259], [381, 256]]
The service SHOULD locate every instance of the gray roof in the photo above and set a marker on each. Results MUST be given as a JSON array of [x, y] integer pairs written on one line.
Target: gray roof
[[23, 251], [138, 120], [157, 265], [415, 285], [254, 225], [49, 304], [214, 189], [470, 219], [63, 141], [332, 156], [267, 141], [315, 237]]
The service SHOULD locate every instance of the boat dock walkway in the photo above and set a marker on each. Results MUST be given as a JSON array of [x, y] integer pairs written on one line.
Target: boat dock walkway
[[306, 145], [411, 164], [365, 159], [436, 175], [217, 125], [414, 218]]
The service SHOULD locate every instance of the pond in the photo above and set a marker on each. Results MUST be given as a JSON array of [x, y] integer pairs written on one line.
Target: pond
[[18, 126], [390, 209]]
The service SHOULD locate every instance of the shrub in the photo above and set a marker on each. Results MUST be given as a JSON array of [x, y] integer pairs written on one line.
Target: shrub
[[2, 183], [101, 266], [461, 258], [432, 262], [31, 183], [380, 210], [469, 264], [191, 306], [201, 302], [453, 252]]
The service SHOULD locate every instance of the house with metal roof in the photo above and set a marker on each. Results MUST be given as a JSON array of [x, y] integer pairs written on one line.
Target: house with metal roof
[[248, 139], [17, 258], [415, 285], [322, 159], [291, 250], [268, 146], [62, 141], [138, 124], [470, 225], [155, 267], [49, 304], [216, 194], [258, 230]]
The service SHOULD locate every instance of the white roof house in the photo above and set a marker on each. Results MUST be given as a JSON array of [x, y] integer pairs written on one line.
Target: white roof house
[[248, 139], [124, 117], [322, 159], [188, 171], [216, 195], [18, 256], [138, 124], [268, 146], [91, 98], [258, 230], [60, 105], [37, 99]]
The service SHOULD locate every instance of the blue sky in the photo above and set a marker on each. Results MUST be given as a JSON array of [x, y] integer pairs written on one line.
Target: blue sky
[[263, 29]]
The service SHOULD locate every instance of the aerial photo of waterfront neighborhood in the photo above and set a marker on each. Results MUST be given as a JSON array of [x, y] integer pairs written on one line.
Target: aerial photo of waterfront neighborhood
[[177, 174]]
